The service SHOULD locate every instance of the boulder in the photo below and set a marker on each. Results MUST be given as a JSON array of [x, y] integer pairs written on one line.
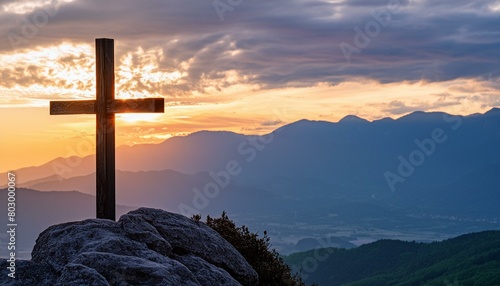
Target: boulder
[[145, 247]]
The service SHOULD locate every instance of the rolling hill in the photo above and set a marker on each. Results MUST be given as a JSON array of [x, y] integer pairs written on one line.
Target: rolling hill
[[472, 259]]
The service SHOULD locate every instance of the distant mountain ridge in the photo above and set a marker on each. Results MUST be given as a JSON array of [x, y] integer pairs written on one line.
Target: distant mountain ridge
[[206, 151], [396, 161], [352, 118], [165, 189], [424, 176]]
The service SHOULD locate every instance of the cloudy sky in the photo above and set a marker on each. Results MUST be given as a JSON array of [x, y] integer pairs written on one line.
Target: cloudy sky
[[247, 66]]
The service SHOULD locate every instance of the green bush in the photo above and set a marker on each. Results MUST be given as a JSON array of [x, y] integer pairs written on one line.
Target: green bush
[[267, 263]]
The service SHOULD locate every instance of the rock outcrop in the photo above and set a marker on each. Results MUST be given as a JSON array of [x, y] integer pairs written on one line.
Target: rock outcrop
[[145, 247]]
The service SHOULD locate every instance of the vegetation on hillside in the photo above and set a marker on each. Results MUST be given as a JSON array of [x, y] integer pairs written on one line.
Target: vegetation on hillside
[[267, 263], [472, 259]]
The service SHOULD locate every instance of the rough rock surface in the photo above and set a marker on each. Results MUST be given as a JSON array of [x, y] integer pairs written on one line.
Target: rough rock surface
[[145, 247]]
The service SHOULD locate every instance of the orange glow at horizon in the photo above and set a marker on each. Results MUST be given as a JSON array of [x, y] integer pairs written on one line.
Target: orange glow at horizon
[[30, 136]]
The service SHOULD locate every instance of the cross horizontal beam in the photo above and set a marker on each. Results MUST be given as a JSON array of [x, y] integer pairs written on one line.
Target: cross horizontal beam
[[139, 105], [72, 107]]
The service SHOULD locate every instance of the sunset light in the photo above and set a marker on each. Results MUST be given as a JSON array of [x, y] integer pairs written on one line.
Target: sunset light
[[237, 79], [138, 117], [341, 142]]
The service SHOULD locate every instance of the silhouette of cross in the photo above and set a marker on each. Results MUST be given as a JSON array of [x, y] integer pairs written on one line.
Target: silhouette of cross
[[105, 106]]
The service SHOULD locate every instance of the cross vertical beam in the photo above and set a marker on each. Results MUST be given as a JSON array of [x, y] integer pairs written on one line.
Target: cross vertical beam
[[105, 126]]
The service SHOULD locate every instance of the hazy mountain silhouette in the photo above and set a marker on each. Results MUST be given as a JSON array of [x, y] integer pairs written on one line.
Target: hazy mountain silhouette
[[58, 168], [353, 153], [167, 190], [423, 171], [36, 211], [351, 159]]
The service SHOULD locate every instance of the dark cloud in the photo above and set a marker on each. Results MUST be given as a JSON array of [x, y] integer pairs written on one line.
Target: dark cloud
[[282, 42], [271, 122], [397, 107]]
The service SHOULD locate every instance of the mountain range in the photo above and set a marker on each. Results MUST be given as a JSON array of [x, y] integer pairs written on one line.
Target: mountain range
[[424, 176]]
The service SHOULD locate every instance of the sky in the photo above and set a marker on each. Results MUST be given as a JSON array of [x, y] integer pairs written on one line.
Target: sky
[[238, 65]]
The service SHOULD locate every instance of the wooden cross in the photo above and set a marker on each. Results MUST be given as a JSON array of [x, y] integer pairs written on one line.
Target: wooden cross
[[105, 106]]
